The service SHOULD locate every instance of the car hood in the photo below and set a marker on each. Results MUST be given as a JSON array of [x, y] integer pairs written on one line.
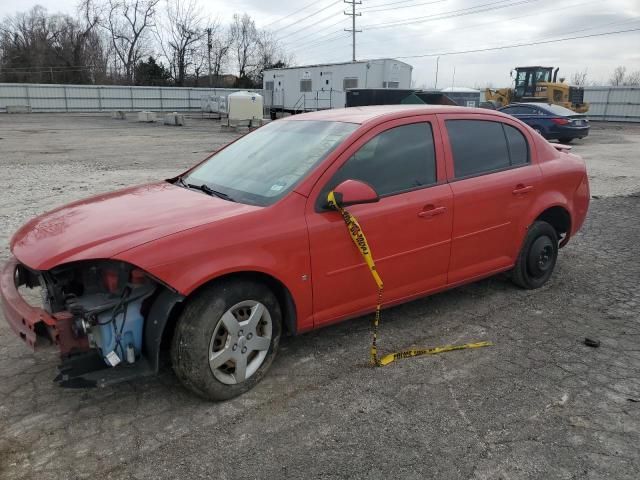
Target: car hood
[[105, 225]]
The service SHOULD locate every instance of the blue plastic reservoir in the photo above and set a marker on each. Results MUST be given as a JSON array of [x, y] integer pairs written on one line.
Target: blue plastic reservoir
[[131, 332]]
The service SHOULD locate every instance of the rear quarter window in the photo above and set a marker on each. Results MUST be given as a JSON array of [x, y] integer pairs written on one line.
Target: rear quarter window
[[518, 146]]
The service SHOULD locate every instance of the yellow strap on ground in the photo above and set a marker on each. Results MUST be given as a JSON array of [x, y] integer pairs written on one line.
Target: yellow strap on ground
[[360, 241], [392, 357]]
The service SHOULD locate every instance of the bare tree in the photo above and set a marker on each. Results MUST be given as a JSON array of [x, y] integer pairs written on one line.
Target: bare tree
[[579, 79], [245, 45], [222, 41], [180, 36], [199, 60], [633, 79], [618, 76], [36, 46], [269, 55], [127, 23]]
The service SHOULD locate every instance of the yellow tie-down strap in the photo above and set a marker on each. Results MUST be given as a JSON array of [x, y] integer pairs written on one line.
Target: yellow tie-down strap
[[360, 241]]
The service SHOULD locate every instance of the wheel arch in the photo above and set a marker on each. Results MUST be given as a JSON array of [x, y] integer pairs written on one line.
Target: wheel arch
[[559, 217], [167, 307], [280, 290], [277, 286]]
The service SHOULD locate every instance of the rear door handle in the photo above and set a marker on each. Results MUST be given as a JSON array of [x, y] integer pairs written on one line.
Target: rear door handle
[[522, 189], [431, 211]]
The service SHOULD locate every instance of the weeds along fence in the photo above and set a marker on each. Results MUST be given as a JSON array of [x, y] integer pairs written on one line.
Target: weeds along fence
[[104, 98]]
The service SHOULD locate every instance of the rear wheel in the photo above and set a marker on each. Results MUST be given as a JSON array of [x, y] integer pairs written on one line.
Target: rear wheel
[[226, 339], [566, 140], [537, 258]]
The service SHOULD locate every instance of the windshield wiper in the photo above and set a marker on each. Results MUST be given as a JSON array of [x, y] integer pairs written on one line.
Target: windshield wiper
[[206, 189], [210, 191]]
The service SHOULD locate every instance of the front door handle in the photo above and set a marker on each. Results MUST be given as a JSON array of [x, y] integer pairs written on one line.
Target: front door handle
[[520, 188], [431, 211]]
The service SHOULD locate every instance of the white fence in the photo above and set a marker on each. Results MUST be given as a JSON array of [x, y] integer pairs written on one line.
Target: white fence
[[614, 104], [620, 104], [98, 98]]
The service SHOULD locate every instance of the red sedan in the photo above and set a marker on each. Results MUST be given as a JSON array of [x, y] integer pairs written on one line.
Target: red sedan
[[218, 263]]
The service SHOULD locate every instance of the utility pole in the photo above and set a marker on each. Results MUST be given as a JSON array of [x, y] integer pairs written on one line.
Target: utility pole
[[353, 30], [437, 68], [209, 46]]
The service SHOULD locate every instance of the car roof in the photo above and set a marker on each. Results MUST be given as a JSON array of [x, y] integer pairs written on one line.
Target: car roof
[[528, 104], [383, 112]]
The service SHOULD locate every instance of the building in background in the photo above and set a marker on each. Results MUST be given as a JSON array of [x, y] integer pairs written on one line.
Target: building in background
[[317, 87]]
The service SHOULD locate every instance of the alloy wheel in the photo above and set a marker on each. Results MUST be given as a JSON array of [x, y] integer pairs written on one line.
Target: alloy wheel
[[240, 342]]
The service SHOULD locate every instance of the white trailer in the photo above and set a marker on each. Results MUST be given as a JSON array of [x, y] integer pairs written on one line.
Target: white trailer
[[317, 87]]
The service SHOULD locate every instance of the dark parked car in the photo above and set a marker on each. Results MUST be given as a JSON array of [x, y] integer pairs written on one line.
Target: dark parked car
[[551, 121]]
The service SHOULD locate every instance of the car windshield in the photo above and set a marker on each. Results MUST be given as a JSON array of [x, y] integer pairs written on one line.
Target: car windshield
[[560, 111], [264, 165]]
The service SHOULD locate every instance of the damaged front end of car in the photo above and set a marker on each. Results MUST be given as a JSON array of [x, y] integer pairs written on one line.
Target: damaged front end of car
[[107, 317]]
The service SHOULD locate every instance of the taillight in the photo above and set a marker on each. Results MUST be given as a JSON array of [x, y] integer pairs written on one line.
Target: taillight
[[560, 121]]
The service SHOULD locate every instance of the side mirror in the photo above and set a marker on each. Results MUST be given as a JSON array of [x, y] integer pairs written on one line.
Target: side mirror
[[354, 192]]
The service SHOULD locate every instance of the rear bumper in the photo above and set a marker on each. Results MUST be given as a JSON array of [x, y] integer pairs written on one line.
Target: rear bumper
[[31, 323], [568, 132]]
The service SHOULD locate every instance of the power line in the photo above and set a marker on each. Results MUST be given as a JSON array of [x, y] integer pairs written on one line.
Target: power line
[[502, 20], [291, 14], [386, 4], [306, 28], [486, 7], [517, 45], [318, 41], [323, 35], [341, 34], [403, 6], [441, 16], [297, 22]]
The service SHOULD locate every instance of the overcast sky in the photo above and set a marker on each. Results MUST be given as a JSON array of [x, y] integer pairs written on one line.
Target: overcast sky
[[404, 28]]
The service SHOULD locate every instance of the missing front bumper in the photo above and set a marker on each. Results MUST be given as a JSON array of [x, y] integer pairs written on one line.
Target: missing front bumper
[[32, 324]]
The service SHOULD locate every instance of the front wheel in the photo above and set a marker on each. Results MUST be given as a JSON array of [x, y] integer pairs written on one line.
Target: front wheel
[[226, 339], [537, 258]]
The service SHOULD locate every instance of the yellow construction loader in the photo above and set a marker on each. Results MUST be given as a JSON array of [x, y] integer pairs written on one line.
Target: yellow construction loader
[[539, 84]]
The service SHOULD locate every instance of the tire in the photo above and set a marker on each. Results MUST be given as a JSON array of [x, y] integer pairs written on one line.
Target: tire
[[566, 140], [537, 258], [206, 330]]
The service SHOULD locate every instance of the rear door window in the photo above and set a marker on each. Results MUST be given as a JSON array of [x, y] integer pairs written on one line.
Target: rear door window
[[481, 146], [399, 159], [478, 147]]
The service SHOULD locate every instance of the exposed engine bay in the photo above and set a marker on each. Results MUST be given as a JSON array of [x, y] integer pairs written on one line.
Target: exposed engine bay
[[101, 308]]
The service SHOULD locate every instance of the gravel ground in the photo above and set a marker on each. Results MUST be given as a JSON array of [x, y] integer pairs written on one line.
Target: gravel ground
[[537, 405]]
